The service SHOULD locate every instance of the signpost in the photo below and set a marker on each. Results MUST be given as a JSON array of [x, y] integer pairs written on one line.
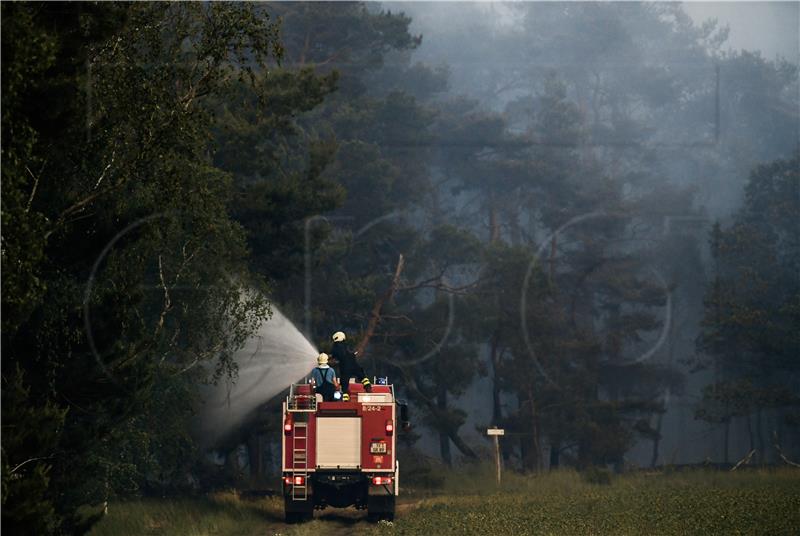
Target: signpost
[[496, 433]]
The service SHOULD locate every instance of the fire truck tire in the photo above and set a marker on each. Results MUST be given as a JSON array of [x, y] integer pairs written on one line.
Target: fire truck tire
[[383, 509], [298, 512], [297, 517]]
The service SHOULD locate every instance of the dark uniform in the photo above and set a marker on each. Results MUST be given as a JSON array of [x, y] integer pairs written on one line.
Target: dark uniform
[[348, 367]]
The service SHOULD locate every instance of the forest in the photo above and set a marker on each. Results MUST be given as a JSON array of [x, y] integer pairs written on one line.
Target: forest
[[577, 222]]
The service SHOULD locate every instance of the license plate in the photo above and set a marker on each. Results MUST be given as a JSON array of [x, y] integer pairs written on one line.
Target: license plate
[[377, 448]]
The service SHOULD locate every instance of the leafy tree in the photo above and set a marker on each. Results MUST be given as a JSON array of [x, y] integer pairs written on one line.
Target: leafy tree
[[750, 336], [125, 271]]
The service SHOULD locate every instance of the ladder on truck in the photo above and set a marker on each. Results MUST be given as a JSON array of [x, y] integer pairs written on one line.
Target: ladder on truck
[[300, 460]]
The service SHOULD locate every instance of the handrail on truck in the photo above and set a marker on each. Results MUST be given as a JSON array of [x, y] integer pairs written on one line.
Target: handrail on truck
[[301, 402]]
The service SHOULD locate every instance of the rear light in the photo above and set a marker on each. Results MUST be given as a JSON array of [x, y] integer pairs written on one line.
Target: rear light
[[381, 480], [288, 424], [389, 427], [287, 480], [299, 480]]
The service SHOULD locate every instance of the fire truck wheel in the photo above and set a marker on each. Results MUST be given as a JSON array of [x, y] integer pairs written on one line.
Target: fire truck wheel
[[297, 517], [298, 513], [381, 509]]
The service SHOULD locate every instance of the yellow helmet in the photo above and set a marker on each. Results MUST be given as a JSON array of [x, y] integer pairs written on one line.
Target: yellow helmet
[[322, 359], [338, 336]]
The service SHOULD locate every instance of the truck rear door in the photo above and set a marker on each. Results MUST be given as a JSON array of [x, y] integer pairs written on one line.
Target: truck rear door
[[338, 442]]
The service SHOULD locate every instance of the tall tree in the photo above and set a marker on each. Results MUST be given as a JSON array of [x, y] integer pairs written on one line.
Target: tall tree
[[750, 336], [125, 271]]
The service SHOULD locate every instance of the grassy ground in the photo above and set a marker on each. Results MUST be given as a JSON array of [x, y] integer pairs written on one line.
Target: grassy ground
[[697, 502], [219, 513]]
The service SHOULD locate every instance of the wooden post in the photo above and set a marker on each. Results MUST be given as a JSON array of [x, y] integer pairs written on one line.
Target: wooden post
[[496, 433], [497, 456]]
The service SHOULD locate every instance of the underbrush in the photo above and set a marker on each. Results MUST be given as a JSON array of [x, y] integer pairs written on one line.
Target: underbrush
[[223, 513]]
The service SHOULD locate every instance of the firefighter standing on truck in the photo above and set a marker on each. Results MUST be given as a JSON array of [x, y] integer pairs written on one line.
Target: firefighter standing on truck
[[348, 366], [325, 382]]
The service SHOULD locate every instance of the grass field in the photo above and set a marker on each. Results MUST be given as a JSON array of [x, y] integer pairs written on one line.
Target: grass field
[[697, 502]]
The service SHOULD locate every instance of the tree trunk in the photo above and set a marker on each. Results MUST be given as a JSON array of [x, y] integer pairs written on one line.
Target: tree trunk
[[437, 414], [656, 440], [760, 455], [375, 314], [494, 357], [494, 225], [533, 461], [726, 442], [555, 455], [516, 231], [444, 439], [537, 435], [254, 454]]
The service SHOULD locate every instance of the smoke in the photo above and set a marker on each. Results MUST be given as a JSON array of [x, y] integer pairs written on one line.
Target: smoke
[[274, 357]]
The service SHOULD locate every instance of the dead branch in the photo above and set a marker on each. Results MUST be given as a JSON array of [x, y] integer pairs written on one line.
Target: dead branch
[[442, 287], [744, 461], [167, 302], [20, 465], [783, 457], [375, 315], [105, 169], [33, 190]]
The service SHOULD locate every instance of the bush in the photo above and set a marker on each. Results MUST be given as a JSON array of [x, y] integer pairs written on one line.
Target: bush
[[597, 475]]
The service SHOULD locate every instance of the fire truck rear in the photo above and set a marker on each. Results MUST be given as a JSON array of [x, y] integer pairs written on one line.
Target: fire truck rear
[[340, 454]]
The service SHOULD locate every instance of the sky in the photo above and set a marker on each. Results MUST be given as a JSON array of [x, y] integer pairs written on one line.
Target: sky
[[771, 27]]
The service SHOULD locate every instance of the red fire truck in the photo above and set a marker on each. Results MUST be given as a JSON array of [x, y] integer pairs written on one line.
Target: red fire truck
[[341, 454]]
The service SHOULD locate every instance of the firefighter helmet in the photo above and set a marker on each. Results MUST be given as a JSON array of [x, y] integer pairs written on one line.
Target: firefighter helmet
[[338, 336], [322, 359]]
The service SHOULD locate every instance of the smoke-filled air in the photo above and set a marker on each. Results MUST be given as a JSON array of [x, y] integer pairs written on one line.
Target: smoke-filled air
[[400, 267]]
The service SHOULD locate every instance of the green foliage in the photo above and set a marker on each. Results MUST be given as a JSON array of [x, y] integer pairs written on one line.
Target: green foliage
[[31, 433], [750, 324], [126, 278]]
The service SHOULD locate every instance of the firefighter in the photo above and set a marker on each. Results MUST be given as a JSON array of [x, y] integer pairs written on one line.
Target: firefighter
[[348, 366], [325, 382]]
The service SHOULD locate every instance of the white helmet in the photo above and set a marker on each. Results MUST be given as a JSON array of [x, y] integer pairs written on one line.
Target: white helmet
[[338, 336], [322, 359]]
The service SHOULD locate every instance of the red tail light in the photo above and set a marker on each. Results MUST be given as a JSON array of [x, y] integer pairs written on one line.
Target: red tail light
[[381, 480], [389, 427], [288, 424], [296, 481]]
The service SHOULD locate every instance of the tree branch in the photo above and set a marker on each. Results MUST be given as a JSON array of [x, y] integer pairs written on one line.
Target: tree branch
[[783, 457], [375, 315], [744, 460]]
